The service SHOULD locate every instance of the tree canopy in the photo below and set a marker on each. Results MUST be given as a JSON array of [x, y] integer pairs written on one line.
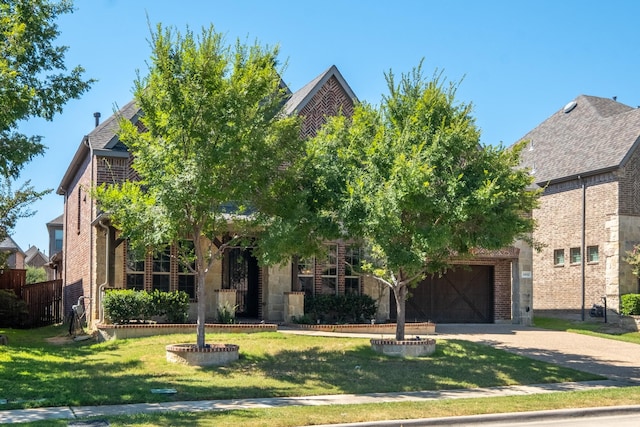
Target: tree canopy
[[211, 151], [412, 181], [34, 82]]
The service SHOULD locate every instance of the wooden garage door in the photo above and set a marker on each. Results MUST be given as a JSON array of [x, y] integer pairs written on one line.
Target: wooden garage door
[[463, 295]]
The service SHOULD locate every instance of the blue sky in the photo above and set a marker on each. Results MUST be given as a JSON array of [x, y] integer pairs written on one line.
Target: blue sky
[[519, 61]]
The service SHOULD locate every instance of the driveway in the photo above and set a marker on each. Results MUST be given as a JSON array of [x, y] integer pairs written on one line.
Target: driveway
[[615, 360]]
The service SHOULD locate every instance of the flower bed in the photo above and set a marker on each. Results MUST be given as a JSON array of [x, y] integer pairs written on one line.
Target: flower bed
[[109, 332], [423, 328]]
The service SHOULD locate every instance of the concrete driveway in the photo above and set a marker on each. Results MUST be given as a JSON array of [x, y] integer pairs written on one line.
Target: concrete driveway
[[615, 360]]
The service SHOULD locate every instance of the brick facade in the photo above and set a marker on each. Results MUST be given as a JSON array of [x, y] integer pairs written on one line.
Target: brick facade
[[328, 101]]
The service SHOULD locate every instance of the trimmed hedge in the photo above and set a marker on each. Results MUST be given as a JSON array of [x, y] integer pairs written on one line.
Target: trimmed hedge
[[339, 309], [630, 304], [128, 305]]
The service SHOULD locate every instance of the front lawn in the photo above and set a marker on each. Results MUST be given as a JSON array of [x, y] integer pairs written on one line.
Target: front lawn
[[596, 328], [43, 368]]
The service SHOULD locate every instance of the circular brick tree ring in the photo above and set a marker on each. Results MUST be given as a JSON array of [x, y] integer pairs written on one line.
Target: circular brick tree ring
[[404, 348], [210, 355]]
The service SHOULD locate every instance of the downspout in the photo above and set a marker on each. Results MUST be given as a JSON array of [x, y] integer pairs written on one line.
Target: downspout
[[106, 271], [582, 243], [90, 316]]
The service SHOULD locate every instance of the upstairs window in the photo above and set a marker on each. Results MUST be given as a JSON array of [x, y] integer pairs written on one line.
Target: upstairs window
[[558, 257], [592, 254], [574, 255]]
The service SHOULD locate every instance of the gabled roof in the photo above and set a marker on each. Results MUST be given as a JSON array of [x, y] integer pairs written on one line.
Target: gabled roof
[[32, 253], [9, 245], [101, 140], [57, 221], [301, 97], [588, 136]]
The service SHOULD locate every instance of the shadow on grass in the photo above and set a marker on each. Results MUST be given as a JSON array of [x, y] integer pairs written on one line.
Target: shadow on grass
[[270, 365]]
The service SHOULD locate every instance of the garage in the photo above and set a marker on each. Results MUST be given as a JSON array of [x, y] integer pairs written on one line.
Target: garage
[[462, 295]]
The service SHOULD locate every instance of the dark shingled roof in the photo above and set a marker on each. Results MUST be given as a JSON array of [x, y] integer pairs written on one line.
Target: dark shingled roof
[[596, 135], [104, 141]]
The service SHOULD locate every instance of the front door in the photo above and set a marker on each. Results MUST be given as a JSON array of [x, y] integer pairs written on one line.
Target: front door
[[240, 272]]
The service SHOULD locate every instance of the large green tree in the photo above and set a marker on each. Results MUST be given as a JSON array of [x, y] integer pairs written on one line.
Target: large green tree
[[212, 154], [34, 82], [411, 179]]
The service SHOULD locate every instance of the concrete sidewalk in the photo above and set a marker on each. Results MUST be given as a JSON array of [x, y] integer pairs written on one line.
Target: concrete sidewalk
[[81, 412], [619, 362]]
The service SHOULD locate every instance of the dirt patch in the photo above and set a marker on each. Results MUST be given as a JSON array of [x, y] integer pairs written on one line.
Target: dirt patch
[[60, 340]]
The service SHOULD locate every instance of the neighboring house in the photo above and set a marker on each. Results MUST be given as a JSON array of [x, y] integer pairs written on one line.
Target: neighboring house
[[586, 159], [95, 258], [16, 256], [55, 228], [35, 258]]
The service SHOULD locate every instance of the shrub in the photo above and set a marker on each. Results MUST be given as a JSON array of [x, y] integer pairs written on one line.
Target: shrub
[[14, 312], [340, 308], [36, 275], [174, 305], [630, 304], [127, 305], [227, 313]]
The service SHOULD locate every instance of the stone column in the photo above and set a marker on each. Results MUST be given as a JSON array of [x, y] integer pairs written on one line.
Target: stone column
[[293, 305], [224, 297]]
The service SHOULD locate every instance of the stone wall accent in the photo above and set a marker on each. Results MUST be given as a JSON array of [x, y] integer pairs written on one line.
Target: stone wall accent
[[223, 297], [293, 305]]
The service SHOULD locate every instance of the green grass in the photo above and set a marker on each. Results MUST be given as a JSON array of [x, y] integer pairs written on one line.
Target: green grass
[[36, 372], [296, 416], [590, 327]]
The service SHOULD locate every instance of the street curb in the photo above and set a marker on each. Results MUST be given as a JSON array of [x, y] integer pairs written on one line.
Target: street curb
[[494, 418]]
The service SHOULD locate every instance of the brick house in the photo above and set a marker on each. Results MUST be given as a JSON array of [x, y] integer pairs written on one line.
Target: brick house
[[586, 158], [15, 255], [95, 258]]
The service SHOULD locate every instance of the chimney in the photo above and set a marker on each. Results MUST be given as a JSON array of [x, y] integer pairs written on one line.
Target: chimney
[[97, 117]]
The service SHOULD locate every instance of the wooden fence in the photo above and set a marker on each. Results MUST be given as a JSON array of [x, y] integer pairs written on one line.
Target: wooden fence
[[44, 299], [13, 279]]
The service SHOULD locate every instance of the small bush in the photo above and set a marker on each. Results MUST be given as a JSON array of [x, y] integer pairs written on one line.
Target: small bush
[[227, 313], [174, 305], [630, 304], [14, 312], [127, 305], [340, 308]]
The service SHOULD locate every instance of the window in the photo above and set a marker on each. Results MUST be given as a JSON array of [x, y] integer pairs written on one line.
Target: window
[[57, 240], [574, 255], [162, 271], [558, 257], [330, 271], [592, 254], [305, 275], [351, 268], [135, 271], [186, 275]]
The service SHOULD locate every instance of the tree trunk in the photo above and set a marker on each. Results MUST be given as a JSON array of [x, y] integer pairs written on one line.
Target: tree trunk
[[400, 293], [202, 309]]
